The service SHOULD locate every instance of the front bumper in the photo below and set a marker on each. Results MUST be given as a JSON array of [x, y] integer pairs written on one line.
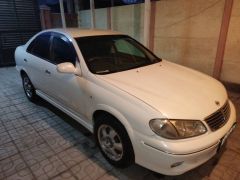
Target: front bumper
[[177, 157]]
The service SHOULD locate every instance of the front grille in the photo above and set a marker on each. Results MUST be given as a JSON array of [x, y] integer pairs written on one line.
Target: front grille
[[219, 118]]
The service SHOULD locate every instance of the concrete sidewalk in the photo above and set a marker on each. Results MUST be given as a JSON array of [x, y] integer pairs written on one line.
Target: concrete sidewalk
[[37, 141]]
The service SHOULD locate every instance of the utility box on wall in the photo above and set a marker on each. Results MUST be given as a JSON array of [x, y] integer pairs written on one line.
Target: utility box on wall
[[19, 20]]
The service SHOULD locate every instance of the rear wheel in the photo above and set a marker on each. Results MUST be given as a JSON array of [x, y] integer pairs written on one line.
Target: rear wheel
[[28, 88], [114, 142]]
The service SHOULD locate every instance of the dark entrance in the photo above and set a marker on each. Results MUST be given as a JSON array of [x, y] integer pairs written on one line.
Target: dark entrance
[[19, 20]]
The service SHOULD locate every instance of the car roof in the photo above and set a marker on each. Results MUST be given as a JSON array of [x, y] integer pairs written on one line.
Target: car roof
[[77, 32]]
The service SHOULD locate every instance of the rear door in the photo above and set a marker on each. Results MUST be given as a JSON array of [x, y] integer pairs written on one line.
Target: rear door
[[38, 53]]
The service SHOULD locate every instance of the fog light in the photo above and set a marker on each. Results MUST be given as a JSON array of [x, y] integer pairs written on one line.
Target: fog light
[[176, 164]]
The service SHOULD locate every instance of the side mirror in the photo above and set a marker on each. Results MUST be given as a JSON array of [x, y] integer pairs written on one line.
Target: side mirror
[[68, 68]]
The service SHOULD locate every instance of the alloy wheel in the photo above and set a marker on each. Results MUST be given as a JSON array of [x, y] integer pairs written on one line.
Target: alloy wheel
[[28, 87], [110, 142]]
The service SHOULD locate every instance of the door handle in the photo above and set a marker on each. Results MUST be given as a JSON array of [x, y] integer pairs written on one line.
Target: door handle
[[25, 60], [48, 72]]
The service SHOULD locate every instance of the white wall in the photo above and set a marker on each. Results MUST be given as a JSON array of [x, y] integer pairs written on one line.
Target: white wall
[[231, 61], [187, 32], [129, 20], [100, 15], [84, 19], [126, 19]]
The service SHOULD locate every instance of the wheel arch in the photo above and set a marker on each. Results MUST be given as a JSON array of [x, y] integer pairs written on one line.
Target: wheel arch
[[107, 110], [104, 109], [22, 72]]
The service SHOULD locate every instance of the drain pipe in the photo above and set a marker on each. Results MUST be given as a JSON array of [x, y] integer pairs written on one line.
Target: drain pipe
[[62, 13], [147, 16], [92, 7]]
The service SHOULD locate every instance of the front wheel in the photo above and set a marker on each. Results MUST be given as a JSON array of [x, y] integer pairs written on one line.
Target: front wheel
[[113, 141], [28, 88]]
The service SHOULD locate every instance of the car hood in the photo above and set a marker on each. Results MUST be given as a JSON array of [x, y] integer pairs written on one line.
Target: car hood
[[175, 91]]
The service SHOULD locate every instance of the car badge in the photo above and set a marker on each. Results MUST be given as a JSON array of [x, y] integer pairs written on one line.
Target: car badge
[[217, 103]]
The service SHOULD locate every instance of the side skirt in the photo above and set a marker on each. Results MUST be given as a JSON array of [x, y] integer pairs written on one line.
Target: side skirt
[[81, 120]]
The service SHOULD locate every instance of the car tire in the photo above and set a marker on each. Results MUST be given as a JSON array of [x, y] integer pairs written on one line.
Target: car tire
[[29, 88], [113, 141]]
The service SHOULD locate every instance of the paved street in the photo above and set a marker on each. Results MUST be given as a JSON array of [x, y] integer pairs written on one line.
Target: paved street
[[37, 141]]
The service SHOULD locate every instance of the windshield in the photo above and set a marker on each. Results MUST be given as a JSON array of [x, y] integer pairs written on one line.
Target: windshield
[[114, 53]]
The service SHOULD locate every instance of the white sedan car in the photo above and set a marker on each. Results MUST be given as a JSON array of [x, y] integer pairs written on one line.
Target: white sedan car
[[163, 116]]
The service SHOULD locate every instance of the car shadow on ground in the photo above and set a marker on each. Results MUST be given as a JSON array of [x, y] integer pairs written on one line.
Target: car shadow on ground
[[91, 151]]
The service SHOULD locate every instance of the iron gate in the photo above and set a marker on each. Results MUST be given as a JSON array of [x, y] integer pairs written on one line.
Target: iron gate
[[19, 20]]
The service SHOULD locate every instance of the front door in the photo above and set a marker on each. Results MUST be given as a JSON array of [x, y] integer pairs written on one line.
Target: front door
[[66, 89]]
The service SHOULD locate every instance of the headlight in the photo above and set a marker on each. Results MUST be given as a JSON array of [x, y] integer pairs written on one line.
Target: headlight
[[177, 129]]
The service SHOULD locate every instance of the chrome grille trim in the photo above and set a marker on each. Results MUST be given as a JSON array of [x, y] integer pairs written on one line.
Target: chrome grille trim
[[218, 118]]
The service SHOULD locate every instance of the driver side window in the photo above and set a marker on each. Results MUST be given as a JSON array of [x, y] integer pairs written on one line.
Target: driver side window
[[62, 50]]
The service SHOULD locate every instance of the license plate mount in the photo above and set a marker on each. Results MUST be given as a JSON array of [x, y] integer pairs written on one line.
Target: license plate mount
[[223, 140]]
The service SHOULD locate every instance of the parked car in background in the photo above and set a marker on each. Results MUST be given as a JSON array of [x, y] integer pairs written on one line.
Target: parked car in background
[[143, 109]]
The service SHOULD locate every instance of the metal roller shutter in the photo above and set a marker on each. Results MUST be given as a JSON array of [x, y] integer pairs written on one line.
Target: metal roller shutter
[[19, 20]]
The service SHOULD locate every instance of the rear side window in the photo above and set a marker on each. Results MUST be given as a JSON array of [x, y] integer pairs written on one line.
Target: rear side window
[[62, 50], [40, 46]]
